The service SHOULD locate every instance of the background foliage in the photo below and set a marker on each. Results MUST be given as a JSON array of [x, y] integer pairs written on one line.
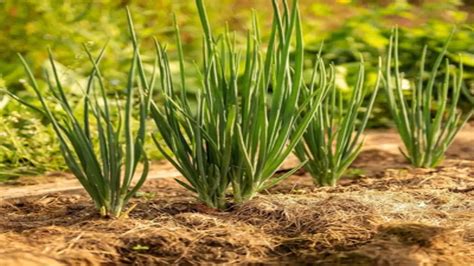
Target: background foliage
[[349, 28]]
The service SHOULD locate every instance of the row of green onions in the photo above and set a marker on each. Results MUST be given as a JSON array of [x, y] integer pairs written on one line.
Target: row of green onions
[[254, 109]]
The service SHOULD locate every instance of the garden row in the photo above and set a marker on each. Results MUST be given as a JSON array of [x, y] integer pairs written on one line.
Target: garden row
[[348, 28], [253, 109]]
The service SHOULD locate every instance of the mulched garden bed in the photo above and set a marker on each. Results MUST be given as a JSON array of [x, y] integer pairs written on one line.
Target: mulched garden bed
[[383, 213]]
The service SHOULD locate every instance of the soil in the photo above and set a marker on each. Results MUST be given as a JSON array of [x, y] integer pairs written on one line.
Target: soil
[[384, 212]]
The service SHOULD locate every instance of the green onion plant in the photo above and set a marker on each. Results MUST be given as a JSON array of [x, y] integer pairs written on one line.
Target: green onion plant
[[333, 138], [99, 146], [427, 124], [248, 108]]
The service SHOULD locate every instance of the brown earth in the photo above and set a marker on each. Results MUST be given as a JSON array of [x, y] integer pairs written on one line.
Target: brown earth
[[383, 213]]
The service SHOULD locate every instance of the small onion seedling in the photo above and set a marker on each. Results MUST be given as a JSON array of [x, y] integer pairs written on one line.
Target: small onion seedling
[[428, 119], [106, 172], [333, 139]]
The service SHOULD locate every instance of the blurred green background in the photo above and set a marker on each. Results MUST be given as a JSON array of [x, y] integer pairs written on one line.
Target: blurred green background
[[349, 28]]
